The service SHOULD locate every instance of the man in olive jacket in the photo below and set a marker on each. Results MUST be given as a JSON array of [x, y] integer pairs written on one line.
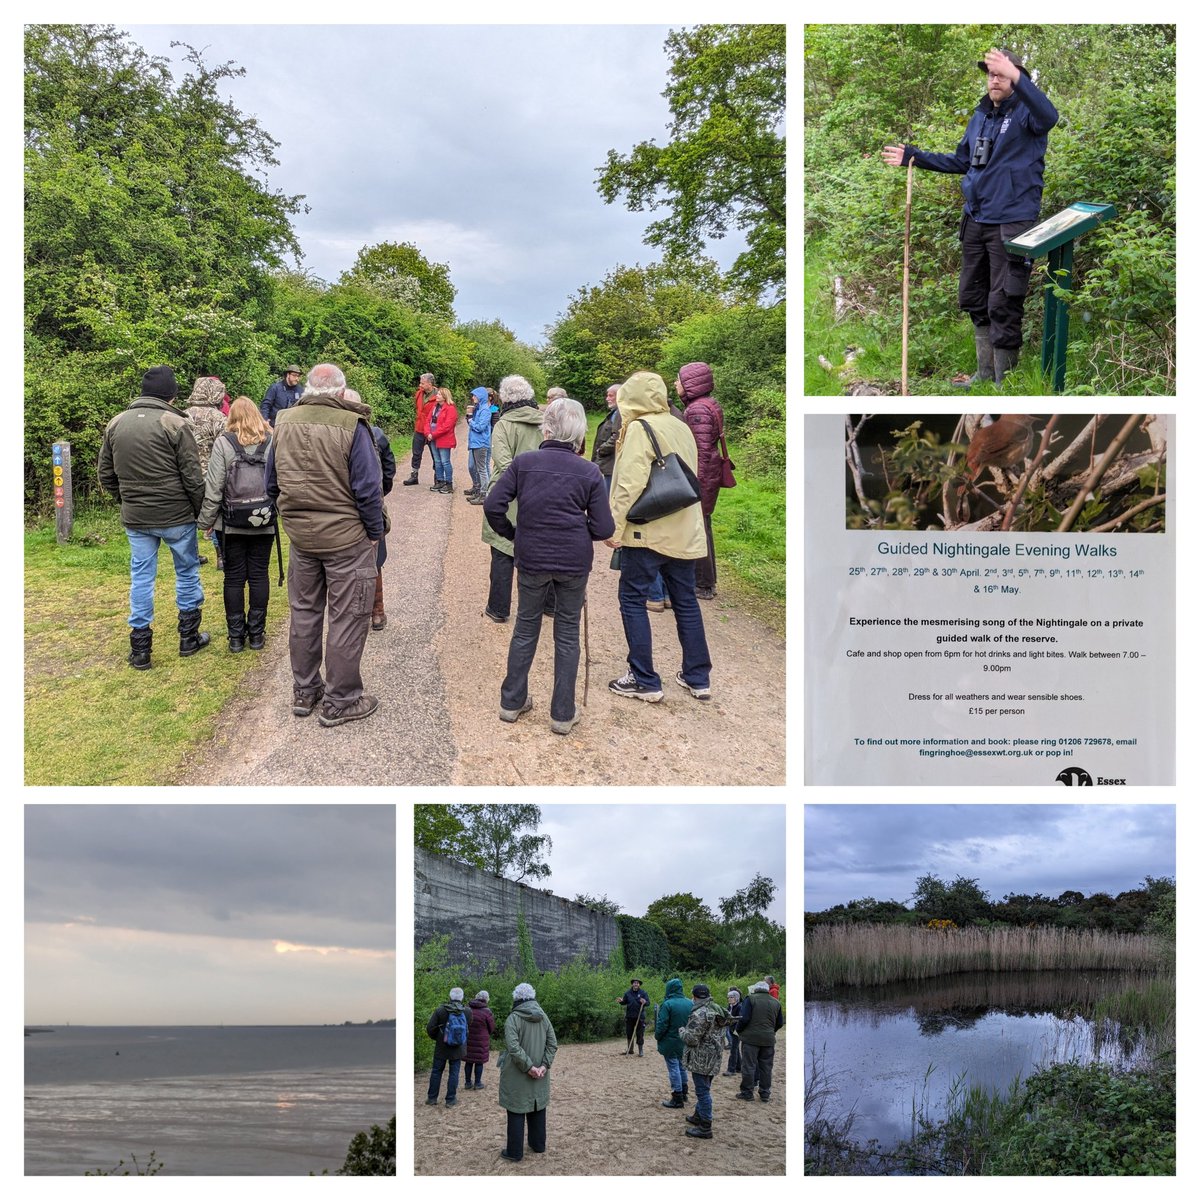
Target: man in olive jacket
[[673, 1015], [444, 1052], [150, 463], [762, 1018], [529, 1050]]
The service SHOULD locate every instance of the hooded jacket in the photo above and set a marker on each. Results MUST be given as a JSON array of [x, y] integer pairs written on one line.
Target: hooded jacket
[[706, 420], [479, 424], [673, 1015], [680, 535], [1009, 188], [149, 462], [703, 1037], [519, 429], [436, 1028], [204, 412], [480, 1031], [529, 1041]]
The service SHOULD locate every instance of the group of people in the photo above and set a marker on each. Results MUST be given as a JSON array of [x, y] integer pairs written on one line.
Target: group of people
[[692, 1037], [323, 468]]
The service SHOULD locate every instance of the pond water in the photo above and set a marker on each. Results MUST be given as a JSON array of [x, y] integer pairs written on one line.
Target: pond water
[[884, 1047]]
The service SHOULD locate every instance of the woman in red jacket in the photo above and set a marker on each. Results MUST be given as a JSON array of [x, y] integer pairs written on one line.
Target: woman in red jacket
[[707, 423], [442, 419]]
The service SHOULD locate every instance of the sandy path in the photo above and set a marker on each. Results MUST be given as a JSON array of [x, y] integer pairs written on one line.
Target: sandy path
[[605, 1118], [438, 666]]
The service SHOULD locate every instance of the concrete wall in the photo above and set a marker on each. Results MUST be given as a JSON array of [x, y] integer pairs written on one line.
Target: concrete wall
[[479, 912]]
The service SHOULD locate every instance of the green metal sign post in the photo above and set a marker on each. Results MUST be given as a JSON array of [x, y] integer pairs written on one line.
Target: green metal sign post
[[1055, 238]]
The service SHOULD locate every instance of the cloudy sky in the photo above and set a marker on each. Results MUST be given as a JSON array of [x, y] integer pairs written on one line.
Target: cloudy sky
[[880, 850], [477, 143], [636, 853], [202, 914]]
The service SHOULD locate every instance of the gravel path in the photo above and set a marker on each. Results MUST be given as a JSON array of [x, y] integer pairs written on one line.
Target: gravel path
[[437, 668]]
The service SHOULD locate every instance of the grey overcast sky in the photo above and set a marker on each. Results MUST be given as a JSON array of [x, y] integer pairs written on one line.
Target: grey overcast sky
[[635, 853], [856, 850], [200, 914], [477, 143]]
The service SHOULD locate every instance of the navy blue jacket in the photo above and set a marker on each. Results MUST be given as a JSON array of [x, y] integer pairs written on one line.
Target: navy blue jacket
[[1009, 188], [632, 998], [279, 396], [562, 502]]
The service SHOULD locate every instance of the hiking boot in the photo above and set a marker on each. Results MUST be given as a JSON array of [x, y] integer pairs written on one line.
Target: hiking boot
[[684, 1093], [656, 605], [511, 714], [451, 1102], [566, 727], [190, 637], [235, 622], [256, 628], [702, 1129], [437, 486], [1004, 359], [408, 483], [701, 693], [628, 685], [431, 1100], [140, 641], [303, 705], [743, 1096], [447, 488], [706, 593], [364, 706], [765, 1097], [676, 1101], [477, 499], [693, 1118]]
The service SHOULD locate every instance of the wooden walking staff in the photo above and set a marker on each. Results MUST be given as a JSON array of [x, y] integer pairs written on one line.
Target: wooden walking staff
[[904, 325], [633, 1035]]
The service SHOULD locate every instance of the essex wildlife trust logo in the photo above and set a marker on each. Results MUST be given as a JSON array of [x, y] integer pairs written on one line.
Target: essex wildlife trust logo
[[1074, 777]]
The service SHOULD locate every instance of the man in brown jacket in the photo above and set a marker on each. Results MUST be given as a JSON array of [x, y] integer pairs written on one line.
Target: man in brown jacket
[[324, 474]]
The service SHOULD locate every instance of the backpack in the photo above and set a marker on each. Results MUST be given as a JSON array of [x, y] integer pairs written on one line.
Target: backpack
[[245, 503], [456, 1028]]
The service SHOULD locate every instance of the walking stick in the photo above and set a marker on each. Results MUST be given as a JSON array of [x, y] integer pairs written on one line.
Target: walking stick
[[904, 326], [641, 1005]]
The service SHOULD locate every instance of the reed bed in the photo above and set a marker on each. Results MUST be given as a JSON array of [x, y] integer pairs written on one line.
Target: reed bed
[[863, 955]]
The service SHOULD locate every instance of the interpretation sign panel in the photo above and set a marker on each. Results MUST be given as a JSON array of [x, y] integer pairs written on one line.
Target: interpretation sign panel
[[954, 635]]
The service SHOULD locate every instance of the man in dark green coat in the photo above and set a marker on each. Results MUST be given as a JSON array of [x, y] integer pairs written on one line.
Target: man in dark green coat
[[529, 1050], [673, 1015]]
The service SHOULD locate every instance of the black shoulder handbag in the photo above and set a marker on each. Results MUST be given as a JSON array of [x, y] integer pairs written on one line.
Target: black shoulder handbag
[[672, 486]]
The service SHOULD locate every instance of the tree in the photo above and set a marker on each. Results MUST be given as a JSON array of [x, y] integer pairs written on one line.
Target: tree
[[752, 901], [962, 901], [372, 1153], [440, 829], [690, 928], [495, 352], [725, 161], [399, 271], [494, 831], [601, 904]]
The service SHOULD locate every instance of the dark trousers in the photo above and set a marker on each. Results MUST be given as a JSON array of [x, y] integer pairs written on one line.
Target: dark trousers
[[706, 567], [473, 1074], [533, 592], [993, 284], [435, 1076], [735, 1052], [345, 583], [500, 580], [247, 562], [757, 1061], [419, 443], [631, 1020], [517, 1122]]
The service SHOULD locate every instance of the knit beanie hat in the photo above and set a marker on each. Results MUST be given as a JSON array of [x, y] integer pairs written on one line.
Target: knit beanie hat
[[160, 383]]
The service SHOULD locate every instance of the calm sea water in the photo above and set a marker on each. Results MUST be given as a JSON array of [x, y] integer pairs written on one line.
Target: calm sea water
[[245, 1100]]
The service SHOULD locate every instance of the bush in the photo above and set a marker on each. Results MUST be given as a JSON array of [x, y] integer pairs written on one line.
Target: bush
[[643, 941]]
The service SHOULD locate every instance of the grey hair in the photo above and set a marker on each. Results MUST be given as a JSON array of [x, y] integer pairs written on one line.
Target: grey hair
[[428, 375], [325, 380], [456, 993], [555, 393], [758, 987], [482, 996], [612, 387], [523, 991], [515, 389], [565, 421]]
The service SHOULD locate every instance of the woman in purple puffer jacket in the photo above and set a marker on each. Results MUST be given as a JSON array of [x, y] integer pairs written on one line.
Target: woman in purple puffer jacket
[[479, 1040], [707, 423]]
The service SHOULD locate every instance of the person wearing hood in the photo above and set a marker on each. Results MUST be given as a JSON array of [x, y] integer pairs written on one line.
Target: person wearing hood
[[479, 1040], [673, 1015], [703, 1038], [1002, 161], [450, 1027], [519, 429], [204, 411], [706, 420], [761, 1019], [529, 1050], [565, 507], [324, 475], [670, 545], [479, 443], [149, 462]]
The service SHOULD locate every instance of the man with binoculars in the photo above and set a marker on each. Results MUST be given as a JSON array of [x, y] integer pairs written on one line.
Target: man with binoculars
[[1001, 158]]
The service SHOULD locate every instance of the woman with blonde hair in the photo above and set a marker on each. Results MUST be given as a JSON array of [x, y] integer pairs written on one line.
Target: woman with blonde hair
[[237, 460], [442, 419]]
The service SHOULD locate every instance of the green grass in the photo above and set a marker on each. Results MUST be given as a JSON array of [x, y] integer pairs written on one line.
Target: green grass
[[89, 718]]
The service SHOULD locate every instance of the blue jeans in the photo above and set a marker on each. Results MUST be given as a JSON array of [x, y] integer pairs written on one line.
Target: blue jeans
[[533, 591], [639, 564], [676, 1074], [657, 590], [143, 568], [703, 1085], [442, 470], [435, 1077]]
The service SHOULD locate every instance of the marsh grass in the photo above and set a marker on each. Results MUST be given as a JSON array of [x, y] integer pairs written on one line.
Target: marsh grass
[[864, 955]]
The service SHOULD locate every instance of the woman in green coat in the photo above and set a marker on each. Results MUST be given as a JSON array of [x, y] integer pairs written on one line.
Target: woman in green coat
[[529, 1049], [673, 1015]]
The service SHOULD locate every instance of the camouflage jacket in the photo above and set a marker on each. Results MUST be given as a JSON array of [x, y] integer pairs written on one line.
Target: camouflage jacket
[[208, 423], [702, 1038]]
